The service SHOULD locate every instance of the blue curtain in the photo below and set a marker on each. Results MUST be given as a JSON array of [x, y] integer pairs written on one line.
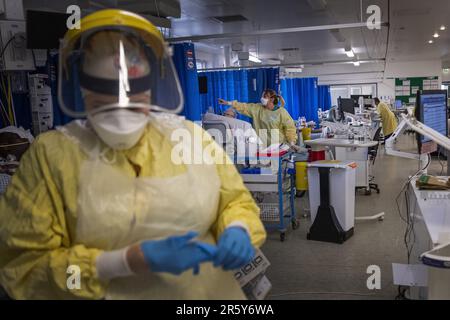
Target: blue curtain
[[302, 97], [242, 85], [184, 60], [324, 97], [261, 79]]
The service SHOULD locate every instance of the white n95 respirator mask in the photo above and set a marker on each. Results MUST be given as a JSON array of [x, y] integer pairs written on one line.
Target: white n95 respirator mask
[[264, 101], [120, 129]]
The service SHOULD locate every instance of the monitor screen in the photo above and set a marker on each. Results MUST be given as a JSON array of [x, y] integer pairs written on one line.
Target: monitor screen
[[45, 28], [368, 102], [347, 105], [356, 96], [398, 104], [433, 111]]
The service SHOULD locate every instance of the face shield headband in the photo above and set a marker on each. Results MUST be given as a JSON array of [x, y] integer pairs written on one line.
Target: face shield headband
[[162, 81]]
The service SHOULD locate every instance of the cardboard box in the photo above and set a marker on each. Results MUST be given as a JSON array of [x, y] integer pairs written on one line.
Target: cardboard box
[[432, 183], [256, 267], [261, 289]]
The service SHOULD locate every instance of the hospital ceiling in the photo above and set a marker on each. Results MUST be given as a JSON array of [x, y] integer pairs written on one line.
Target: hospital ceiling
[[412, 24]]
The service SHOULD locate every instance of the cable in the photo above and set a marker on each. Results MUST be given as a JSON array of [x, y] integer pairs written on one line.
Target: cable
[[7, 91], [388, 34], [389, 28], [409, 237], [404, 190], [157, 8], [7, 44], [14, 144], [406, 238], [5, 108], [4, 114], [10, 102], [440, 162], [34, 58]]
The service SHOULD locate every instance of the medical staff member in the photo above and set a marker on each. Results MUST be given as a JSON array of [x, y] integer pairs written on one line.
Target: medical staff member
[[388, 119], [268, 115], [98, 208]]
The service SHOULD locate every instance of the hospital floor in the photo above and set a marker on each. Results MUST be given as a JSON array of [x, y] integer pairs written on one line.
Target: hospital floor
[[304, 269]]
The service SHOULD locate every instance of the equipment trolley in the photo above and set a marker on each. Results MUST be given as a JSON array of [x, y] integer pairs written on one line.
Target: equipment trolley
[[273, 188]]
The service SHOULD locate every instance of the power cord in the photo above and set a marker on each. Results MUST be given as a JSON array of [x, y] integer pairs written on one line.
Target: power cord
[[410, 235], [406, 184], [440, 162], [7, 44]]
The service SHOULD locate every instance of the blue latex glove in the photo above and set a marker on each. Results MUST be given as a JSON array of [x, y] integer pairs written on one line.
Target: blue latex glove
[[177, 254], [234, 249]]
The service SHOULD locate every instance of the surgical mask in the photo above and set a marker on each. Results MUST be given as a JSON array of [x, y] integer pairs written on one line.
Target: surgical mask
[[120, 129], [264, 101]]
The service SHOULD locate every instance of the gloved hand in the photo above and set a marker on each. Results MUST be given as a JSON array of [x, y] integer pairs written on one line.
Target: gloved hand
[[177, 254], [225, 102], [234, 249], [296, 148]]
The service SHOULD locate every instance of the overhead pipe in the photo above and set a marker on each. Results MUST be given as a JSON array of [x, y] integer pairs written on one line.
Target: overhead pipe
[[312, 63], [271, 32]]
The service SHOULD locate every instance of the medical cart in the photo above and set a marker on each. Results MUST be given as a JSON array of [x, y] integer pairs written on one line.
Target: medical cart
[[273, 188]]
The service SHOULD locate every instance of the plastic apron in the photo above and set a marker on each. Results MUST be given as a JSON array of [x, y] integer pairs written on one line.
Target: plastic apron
[[270, 120], [116, 210]]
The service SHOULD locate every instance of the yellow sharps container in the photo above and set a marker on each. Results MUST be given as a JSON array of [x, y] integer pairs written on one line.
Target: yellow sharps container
[[301, 176]]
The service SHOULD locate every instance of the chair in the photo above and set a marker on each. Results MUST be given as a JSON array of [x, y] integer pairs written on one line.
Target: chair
[[372, 154]]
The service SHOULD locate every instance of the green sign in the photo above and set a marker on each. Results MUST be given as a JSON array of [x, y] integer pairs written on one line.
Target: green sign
[[406, 88]]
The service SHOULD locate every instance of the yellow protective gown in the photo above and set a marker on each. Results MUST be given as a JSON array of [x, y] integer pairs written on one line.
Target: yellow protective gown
[[67, 204], [264, 118], [388, 119]]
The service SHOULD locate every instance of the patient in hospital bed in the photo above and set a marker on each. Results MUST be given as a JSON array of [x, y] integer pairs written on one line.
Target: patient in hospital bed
[[245, 136]]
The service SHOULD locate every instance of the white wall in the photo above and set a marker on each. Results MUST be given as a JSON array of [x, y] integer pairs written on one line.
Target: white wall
[[213, 59], [407, 69], [373, 74], [446, 77], [348, 74]]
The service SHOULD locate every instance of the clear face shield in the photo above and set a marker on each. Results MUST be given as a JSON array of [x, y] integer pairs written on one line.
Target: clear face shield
[[117, 69]]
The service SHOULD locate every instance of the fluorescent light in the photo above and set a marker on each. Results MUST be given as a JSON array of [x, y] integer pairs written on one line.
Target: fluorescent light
[[254, 59], [356, 63], [293, 70], [431, 41], [443, 28], [436, 35]]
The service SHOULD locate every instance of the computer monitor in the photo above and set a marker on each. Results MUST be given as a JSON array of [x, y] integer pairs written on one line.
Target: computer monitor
[[45, 28], [347, 105], [431, 110], [398, 104], [356, 96], [368, 101]]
